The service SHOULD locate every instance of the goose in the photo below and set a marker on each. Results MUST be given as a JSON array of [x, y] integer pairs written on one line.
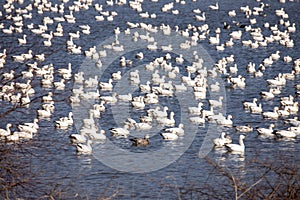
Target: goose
[[167, 121], [214, 7], [285, 134], [169, 136], [222, 140], [177, 130], [244, 129], [98, 135], [110, 99], [216, 103], [120, 132], [256, 109], [12, 138], [48, 98], [140, 141], [84, 148], [145, 88], [196, 110], [267, 95], [31, 127], [226, 122], [138, 102], [157, 113], [44, 113], [198, 119], [7, 132], [247, 105], [76, 138], [271, 115], [294, 121], [60, 85], [125, 97], [238, 148], [22, 40], [106, 85], [117, 75], [22, 135], [181, 87], [268, 132]]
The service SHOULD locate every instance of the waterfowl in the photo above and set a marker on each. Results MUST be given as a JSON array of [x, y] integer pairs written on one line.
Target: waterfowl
[[244, 128], [120, 132], [23, 40], [214, 7], [169, 136], [285, 134], [250, 104], [140, 141], [222, 140], [167, 121], [196, 110], [271, 115], [84, 148], [5, 132], [268, 132], [177, 130], [238, 148], [106, 85], [98, 135]]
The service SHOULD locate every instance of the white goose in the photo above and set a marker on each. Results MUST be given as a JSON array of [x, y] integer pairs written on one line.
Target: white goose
[[120, 132], [167, 121], [285, 134], [98, 135], [106, 85], [177, 130], [271, 115], [169, 136], [84, 148], [78, 138], [196, 110], [222, 140], [237, 148], [6, 132], [267, 132]]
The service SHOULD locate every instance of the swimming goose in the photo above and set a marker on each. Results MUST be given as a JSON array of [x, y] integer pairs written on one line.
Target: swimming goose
[[78, 138], [268, 132], [177, 130], [256, 109], [271, 115], [106, 85], [167, 121], [196, 110], [285, 134], [22, 40], [214, 7], [222, 140], [98, 135], [29, 127], [84, 148], [6, 132], [216, 103], [247, 105], [120, 132], [245, 129], [238, 148], [140, 141], [169, 136], [225, 121]]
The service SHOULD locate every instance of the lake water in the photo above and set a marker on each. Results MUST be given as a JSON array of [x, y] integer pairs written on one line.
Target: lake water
[[50, 161]]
